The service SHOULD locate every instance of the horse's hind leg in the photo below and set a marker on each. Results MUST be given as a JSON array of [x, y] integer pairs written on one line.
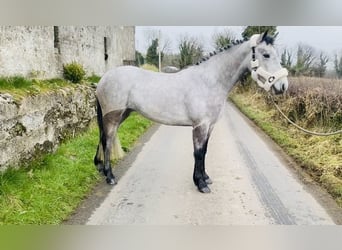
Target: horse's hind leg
[[111, 123], [125, 115], [200, 140]]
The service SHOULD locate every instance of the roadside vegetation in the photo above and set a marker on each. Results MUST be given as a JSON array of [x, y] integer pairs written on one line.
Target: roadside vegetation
[[313, 103], [73, 72], [19, 86], [47, 190]]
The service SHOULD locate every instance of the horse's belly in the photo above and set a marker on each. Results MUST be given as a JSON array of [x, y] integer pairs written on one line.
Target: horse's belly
[[161, 100], [166, 116]]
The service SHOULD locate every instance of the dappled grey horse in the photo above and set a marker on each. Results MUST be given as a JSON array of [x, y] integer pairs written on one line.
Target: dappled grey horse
[[192, 97]]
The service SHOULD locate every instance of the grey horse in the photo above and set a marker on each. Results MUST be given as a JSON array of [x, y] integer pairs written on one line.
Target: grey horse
[[191, 97]]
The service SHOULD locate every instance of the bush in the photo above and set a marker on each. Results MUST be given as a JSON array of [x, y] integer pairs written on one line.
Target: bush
[[317, 101], [309, 101], [73, 72]]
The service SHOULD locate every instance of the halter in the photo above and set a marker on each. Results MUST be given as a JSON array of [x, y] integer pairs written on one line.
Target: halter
[[263, 78]]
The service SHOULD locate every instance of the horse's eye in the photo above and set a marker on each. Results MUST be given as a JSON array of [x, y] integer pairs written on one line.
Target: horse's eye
[[266, 55]]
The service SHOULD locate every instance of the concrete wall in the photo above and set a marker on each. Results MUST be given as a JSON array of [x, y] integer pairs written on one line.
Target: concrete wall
[[27, 49], [37, 124], [41, 51]]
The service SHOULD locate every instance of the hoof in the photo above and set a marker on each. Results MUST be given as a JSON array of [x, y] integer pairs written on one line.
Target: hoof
[[110, 181], [208, 181], [205, 190], [202, 186]]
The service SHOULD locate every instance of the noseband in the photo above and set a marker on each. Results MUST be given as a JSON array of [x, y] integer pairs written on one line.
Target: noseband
[[263, 78]]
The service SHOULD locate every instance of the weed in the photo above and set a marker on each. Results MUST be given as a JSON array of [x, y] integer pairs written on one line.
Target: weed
[[15, 82], [74, 72], [314, 102]]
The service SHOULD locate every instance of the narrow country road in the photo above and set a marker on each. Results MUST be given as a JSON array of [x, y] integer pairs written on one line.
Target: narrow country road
[[251, 183]]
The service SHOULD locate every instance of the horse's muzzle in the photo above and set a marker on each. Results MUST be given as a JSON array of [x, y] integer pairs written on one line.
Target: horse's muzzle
[[276, 91]]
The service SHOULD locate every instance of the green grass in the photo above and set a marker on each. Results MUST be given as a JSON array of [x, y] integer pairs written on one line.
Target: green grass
[[19, 86], [49, 189], [321, 157], [93, 78]]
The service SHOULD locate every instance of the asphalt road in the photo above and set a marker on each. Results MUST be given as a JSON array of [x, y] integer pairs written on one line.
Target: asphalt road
[[253, 183]]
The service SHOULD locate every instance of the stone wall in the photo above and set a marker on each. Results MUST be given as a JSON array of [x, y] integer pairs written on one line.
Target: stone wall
[[37, 124], [41, 51]]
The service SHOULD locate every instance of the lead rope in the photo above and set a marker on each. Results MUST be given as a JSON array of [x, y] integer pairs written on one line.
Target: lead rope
[[299, 127]]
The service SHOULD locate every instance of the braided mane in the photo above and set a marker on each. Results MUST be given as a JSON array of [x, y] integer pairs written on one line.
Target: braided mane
[[267, 39]]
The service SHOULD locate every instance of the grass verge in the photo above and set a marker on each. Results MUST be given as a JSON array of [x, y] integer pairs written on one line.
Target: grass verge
[[321, 157], [49, 189], [20, 87]]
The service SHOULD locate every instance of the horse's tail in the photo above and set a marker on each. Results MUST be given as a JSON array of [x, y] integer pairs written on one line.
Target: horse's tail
[[99, 119], [97, 159]]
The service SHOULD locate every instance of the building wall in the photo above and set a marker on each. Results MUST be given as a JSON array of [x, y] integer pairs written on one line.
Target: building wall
[[41, 51], [24, 50]]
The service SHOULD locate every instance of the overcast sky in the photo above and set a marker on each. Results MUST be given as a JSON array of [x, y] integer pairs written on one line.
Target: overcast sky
[[326, 38]]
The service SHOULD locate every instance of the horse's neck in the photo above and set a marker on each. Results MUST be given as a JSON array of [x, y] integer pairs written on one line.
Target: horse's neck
[[227, 67]]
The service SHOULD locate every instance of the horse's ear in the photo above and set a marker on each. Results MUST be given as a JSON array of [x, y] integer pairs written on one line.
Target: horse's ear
[[264, 35], [275, 35], [258, 38]]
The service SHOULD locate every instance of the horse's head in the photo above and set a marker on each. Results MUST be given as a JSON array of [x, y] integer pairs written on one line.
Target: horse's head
[[265, 64]]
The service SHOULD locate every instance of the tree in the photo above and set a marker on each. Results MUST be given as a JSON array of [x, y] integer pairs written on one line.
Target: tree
[[305, 58], [152, 56], [251, 30], [338, 65], [139, 59], [223, 38], [320, 66], [190, 51], [286, 59], [171, 59], [164, 42]]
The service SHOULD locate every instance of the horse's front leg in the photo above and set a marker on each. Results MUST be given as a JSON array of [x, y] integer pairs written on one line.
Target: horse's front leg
[[206, 176], [200, 140]]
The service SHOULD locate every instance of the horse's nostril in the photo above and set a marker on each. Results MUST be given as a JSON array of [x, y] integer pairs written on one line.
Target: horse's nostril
[[283, 86]]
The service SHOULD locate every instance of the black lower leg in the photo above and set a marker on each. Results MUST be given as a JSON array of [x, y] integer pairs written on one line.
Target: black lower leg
[[200, 140], [107, 171], [199, 174], [110, 125], [206, 176]]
